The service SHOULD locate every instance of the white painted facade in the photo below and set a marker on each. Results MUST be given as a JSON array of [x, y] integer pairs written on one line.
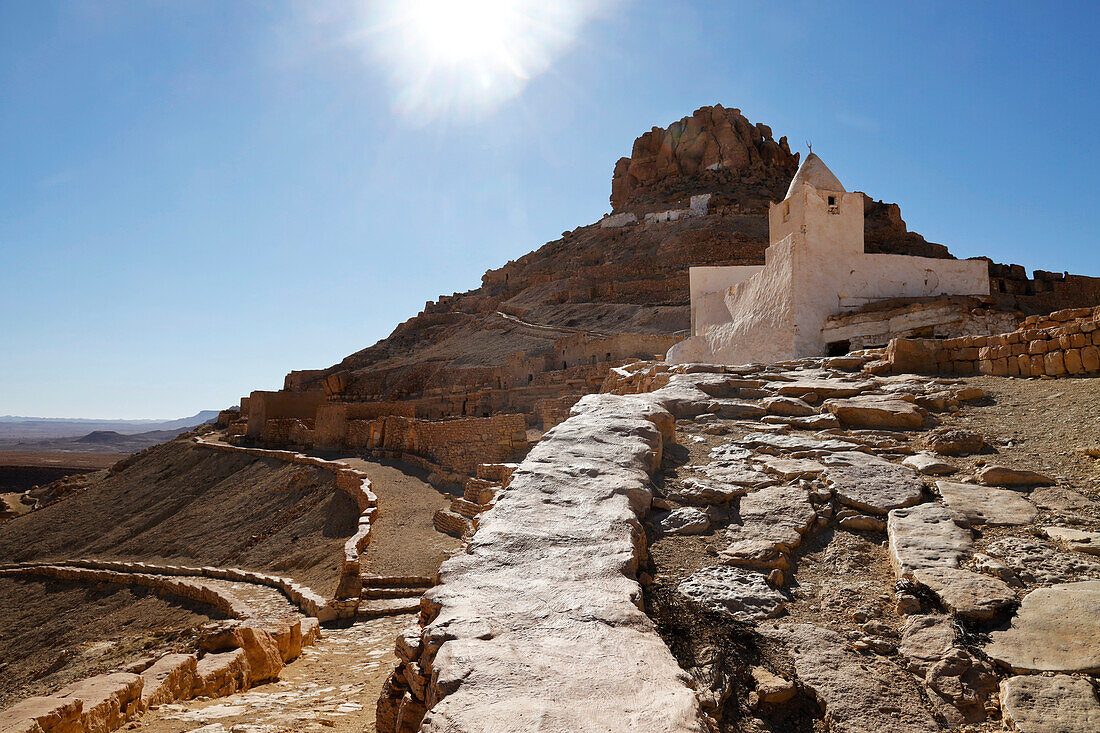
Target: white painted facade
[[814, 267]]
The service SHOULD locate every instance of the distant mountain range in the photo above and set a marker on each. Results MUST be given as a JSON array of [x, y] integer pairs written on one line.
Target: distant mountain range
[[33, 429]]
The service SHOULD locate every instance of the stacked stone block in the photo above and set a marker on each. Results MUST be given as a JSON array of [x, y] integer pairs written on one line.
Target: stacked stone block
[[1064, 343]]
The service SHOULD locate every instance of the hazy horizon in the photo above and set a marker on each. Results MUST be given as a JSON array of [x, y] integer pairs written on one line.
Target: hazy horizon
[[200, 197]]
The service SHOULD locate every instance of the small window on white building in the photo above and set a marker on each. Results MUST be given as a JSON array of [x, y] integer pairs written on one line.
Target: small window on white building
[[832, 201]]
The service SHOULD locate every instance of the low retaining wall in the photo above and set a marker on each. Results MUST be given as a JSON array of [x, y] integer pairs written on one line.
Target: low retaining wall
[[232, 658], [307, 601], [539, 625], [357, 486], [1064, 343]]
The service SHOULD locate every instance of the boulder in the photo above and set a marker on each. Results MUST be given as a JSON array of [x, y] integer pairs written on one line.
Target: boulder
[[951, 442], [876, 413], [1038, 563], [788, 407], [1004, 476], [774, 519], [170, 678], [108, 700], [742, 595], [928, 464], [1057, 629], [735, 410], [1075, 539], [966, 594], [685, 520], [1071, 505]]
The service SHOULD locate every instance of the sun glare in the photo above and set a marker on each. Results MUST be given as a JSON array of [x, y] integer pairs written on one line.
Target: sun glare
[[467, 57]]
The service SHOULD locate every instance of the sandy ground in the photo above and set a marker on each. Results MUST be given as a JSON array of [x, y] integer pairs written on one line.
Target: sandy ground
[[403, 539], [56, 633], [63, 459]]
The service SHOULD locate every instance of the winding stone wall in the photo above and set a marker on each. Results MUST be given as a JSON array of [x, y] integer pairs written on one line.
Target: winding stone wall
[[539, 626]]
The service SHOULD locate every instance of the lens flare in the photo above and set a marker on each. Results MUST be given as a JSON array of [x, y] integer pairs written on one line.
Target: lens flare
[[466, 58]]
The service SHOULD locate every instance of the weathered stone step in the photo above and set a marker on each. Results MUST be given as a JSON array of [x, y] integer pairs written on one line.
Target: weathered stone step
[[467, 508], [449, 522], [395, 581], [411, 592], [377, 607]]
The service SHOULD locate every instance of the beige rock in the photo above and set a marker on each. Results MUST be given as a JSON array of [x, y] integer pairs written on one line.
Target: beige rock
[[171, 678], [871, 484], [858, 694], [983, 505], [1058, 704], [43, 715], [926, 536], [925, 640], [792, 468], [1074, 507], [951, 442], [685, 520], [823, 388], [772, 688], [735, 410], [743, 595], [881, 414], [774, 519], [797, 444], [108, 700], [1057, 629], [1075, 539], [788, 407], [929, 465], [698, 493], [1037, 563], [222, 674], [969, 595], [1004, 476]]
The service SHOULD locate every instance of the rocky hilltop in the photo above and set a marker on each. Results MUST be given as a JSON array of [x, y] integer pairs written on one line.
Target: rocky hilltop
[[601, 280]]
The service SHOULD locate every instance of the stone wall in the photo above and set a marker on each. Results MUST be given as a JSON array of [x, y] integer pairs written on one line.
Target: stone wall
[[1046, 292], [554, 410], [538, 625], [1066, 342], [264, 406]]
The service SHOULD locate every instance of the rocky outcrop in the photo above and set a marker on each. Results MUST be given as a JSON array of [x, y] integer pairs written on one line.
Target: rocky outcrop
[[712, 146]]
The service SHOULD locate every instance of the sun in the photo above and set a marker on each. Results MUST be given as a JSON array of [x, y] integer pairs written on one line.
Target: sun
[[467, 57]]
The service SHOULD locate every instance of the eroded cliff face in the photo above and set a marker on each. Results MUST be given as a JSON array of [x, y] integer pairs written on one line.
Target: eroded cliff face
[[715, 150]]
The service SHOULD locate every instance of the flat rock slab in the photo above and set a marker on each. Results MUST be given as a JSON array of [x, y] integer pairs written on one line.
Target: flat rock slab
[[823, 388], [1067, 503], [926, 536], [858, 694], [685, 520], [929, 464], [737, 474], [966, 594], [1004, 476], [985, 505], [788, 407], [1038, 563], [735, 410], [1058, 704], [701, 493], [1057, 629], [871, 484], [778, 444], [774, 519], [926, 639], [864, 412], [743, 595], [1075, 539], [791, 468]]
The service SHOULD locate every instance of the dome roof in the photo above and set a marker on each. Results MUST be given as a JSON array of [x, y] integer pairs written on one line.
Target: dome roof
[[814, 172]]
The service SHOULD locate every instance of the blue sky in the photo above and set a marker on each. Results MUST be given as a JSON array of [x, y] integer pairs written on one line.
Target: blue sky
[[197, 197]]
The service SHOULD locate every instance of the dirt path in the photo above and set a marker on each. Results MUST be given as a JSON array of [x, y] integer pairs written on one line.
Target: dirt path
[[333, 687], [403, 539]]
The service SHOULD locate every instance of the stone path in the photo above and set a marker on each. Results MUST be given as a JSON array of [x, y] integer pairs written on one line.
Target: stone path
[[332, 686], [894, 645]]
